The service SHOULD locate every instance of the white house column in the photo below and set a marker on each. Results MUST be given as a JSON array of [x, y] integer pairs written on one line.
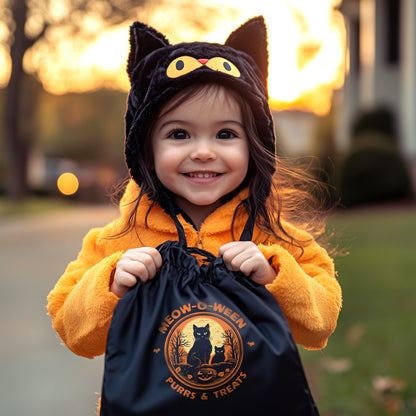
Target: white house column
[[345, 100], [367, 52], [408, 59]]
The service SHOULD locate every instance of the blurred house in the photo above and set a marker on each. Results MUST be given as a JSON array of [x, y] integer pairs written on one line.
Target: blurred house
[[381, 68]]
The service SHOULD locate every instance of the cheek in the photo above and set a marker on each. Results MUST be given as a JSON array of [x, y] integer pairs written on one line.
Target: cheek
[[166, 162], [239, 160]]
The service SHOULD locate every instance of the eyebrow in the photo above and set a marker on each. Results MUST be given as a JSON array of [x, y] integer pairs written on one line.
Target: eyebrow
[[168, 122]]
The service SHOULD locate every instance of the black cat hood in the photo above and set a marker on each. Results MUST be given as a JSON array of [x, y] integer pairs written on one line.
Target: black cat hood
[[158, 70]]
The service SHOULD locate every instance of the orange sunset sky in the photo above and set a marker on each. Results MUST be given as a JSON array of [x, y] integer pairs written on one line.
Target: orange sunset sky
[[306, 47]]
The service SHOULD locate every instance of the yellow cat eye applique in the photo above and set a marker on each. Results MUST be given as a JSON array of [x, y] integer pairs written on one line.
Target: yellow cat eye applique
[[223, 65], [182, 65], [185, 64]]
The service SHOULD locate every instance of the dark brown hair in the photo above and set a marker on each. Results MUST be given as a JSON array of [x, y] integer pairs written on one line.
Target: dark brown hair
[[277, 190]]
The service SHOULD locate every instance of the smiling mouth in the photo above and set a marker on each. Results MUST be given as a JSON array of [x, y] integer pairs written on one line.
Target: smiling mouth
[[202, 174]]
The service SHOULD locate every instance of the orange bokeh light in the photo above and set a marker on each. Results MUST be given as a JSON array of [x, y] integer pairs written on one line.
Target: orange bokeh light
[[67, 183]]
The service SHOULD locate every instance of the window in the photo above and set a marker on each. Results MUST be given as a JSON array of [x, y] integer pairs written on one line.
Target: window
[[392, 31]]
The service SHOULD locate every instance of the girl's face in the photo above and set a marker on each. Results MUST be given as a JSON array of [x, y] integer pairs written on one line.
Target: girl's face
[[200, 151]]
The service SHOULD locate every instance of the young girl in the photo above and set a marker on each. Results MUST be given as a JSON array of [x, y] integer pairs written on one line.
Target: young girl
[[200, 135]]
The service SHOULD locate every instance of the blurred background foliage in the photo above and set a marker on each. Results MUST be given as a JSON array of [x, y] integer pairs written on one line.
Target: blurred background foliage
[[81, 133], [374, 169]]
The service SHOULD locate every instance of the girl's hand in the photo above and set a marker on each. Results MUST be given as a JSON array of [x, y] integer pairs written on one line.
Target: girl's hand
[[246, 257], [138, 263]]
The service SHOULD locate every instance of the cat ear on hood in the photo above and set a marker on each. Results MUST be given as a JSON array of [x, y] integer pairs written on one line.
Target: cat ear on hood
[[251, 38], [143, 40]]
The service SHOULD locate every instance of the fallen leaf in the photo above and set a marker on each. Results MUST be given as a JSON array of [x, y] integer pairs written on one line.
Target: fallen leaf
[[337, 365], [355, 333], [394, 405], [386, 384]]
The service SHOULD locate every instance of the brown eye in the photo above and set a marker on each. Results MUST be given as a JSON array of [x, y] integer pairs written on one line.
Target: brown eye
[[178, 134], [226, 134], [181, 66], [223, 65]]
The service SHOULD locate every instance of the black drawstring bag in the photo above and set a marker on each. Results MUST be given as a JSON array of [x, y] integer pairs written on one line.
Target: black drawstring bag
[[201, 340]]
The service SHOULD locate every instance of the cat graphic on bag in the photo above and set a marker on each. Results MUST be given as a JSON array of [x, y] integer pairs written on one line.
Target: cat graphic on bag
[[200, 352], [219, 356]]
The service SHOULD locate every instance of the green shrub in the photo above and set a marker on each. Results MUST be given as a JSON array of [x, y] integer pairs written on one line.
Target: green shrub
[[374, 171], [380, 120]]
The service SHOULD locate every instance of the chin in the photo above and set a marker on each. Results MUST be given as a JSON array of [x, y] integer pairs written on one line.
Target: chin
[[205, 203]]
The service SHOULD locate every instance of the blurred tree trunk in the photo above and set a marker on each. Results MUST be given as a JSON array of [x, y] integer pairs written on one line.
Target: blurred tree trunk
[[17, 146]]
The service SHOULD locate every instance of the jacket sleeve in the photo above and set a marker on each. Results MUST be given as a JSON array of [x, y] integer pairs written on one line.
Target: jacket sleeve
[[307, 291], [81, 305]]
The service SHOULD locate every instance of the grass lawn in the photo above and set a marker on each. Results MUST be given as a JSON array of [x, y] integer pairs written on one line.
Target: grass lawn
[[369, 365]]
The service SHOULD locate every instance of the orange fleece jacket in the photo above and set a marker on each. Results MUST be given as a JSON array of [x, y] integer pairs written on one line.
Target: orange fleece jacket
[[81, 305]]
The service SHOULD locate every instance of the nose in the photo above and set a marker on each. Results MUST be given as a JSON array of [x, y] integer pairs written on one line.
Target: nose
[[203, 150]]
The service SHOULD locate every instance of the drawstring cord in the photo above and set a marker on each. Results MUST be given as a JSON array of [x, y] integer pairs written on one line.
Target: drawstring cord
[[246, 235]]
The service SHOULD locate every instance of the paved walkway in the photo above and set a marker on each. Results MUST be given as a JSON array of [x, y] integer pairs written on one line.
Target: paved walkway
[[38, 376]]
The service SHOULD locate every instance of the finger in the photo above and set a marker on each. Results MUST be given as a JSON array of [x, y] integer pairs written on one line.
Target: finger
[[131, 267], [153, 262], [147, 255], [124, 279], [157, 258], [229, 247], [122, 282], [249, 266], [250, 261], [235, 255], [243, 262], [144, 272]]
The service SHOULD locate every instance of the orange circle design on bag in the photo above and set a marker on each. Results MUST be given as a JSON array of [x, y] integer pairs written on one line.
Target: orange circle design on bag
[[204, 350]]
